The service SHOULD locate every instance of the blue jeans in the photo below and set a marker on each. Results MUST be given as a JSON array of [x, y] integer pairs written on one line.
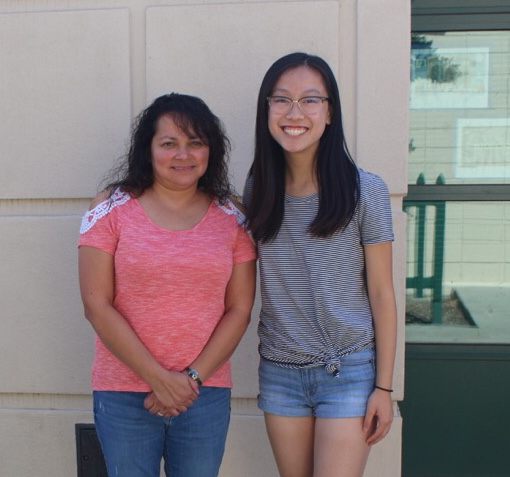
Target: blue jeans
[[134, 441], [314, 392]]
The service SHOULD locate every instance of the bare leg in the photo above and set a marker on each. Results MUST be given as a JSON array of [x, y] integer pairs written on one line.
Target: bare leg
[[340, 448], [292, 441]]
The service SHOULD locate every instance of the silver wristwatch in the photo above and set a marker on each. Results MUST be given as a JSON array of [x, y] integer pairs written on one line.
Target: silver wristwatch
[[193, 374]]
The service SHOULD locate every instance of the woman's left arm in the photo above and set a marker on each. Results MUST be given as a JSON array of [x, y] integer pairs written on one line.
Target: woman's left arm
[[239, 298], [379, 269]]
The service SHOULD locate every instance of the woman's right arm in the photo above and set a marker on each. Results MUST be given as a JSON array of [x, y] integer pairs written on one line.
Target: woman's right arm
[[96, 271]]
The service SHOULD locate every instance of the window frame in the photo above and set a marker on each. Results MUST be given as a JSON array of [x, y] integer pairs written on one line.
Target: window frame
[[428, 16]]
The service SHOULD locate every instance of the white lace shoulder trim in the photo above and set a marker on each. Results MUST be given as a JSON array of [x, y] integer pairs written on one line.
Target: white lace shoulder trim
[[104, 208], [230, 209]]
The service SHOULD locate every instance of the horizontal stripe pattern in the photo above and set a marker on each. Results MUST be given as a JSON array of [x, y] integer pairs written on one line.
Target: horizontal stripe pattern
[[315, 307]]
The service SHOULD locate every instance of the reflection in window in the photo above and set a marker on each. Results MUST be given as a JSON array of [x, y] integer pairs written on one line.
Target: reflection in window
[[458, 271], [458, 268], [460, 107]]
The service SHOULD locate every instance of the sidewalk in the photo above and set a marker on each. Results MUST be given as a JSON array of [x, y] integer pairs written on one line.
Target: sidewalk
[[489, 308]]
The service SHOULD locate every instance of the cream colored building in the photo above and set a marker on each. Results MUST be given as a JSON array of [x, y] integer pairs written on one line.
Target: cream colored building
[[73, 74]]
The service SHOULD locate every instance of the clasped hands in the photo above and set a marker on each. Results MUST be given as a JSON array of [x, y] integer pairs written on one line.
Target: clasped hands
[[173, 396]]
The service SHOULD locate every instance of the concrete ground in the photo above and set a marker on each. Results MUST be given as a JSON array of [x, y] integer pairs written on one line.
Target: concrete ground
[[489, 309]]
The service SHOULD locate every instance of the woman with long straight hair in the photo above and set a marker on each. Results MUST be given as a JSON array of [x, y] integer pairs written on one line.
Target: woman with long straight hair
[[324, 232]]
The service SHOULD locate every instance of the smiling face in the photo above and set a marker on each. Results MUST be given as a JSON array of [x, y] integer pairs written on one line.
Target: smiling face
[[178, 160], [298, 133]]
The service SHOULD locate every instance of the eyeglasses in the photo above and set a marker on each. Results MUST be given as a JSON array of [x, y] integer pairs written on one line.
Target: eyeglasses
[[307, 104]]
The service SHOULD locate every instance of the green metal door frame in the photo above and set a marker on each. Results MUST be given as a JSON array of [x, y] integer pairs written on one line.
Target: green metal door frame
[[454, 412]]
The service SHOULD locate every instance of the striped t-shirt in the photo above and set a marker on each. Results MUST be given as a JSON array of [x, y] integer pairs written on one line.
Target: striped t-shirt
[[315, 307]]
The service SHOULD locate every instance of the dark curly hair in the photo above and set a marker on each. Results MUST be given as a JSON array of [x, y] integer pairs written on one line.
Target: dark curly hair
[[135, 173]]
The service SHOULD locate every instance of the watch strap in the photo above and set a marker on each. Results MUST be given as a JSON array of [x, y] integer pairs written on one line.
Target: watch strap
[[193, 374]]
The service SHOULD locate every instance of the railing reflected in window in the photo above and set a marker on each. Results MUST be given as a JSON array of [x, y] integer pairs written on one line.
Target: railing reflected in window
[[473, 304], [458, 274]]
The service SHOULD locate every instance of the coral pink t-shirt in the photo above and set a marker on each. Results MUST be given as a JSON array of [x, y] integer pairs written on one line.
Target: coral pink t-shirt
[[169, 285]]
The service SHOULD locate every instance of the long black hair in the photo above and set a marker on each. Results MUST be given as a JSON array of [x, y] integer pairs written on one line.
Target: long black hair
[[135, 174], [337, 174]]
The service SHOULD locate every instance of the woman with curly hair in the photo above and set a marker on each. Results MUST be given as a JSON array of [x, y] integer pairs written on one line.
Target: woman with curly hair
[[167, 279]]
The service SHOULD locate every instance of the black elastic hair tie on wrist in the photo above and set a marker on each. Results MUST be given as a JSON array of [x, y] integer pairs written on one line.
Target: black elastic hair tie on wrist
[[384, 389]]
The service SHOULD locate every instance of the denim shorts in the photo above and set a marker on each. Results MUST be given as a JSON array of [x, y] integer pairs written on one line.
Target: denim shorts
[[134, 441], [312, 391]]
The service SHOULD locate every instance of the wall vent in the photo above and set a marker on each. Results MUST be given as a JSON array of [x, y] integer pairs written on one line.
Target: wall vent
[[90, 460]]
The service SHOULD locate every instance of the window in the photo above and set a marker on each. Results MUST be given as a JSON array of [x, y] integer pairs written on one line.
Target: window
[[458, 204]]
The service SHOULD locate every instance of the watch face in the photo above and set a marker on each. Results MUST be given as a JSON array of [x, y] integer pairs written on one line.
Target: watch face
[[193, 374]]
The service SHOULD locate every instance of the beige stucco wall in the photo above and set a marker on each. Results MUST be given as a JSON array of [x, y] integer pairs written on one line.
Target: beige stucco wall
[[72, 76]]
